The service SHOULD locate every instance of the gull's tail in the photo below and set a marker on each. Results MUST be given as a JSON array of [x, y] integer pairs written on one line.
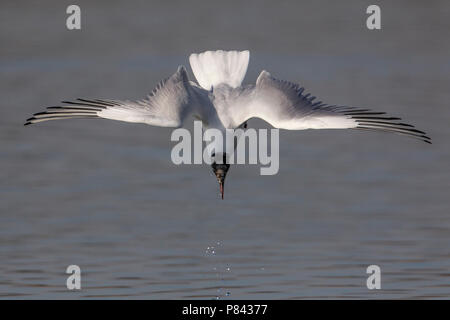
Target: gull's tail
[[212, 68]]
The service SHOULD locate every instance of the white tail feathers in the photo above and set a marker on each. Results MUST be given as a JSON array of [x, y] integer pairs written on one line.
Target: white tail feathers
[[212, 68]]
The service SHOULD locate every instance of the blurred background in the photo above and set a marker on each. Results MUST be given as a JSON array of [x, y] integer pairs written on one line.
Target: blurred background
[[104, 195]]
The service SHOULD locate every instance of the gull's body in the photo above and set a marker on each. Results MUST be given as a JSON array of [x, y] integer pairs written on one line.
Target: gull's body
[[220, 101]]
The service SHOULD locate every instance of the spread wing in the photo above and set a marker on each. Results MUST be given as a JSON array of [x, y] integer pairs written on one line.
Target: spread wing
[[285, 105], [166, 106]]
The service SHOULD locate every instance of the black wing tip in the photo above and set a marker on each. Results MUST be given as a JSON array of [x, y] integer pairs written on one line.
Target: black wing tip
[[426, 139], [87, 106], [29, 121], [40, 113], [96, 103], [379, 121], [411, 133], [368, 117]]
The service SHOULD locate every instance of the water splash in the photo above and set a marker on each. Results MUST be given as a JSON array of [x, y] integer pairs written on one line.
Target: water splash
[[220, 270]]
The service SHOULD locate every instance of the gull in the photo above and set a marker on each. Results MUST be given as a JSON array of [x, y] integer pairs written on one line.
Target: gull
[[220, 101]]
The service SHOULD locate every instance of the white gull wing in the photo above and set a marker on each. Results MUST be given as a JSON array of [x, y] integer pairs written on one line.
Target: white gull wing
[[284, 105], [166, 106]]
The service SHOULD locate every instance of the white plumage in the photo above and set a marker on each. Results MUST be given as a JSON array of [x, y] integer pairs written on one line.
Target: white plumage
[[212, 68], [221, 101]]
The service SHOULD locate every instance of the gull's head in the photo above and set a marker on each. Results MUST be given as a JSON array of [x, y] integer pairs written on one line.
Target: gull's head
[[220, 170]]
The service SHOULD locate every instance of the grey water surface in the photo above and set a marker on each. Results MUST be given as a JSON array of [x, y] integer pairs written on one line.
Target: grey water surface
[[105, 196]]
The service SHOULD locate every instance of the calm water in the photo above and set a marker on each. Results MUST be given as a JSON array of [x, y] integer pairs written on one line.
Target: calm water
[[104, 195]]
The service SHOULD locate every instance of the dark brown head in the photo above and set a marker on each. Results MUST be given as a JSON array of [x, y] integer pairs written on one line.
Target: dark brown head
[[221, 170]]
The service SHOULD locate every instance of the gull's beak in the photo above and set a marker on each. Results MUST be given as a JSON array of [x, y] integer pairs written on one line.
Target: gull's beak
[[221, 188], [220, 175], [220, 170]]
